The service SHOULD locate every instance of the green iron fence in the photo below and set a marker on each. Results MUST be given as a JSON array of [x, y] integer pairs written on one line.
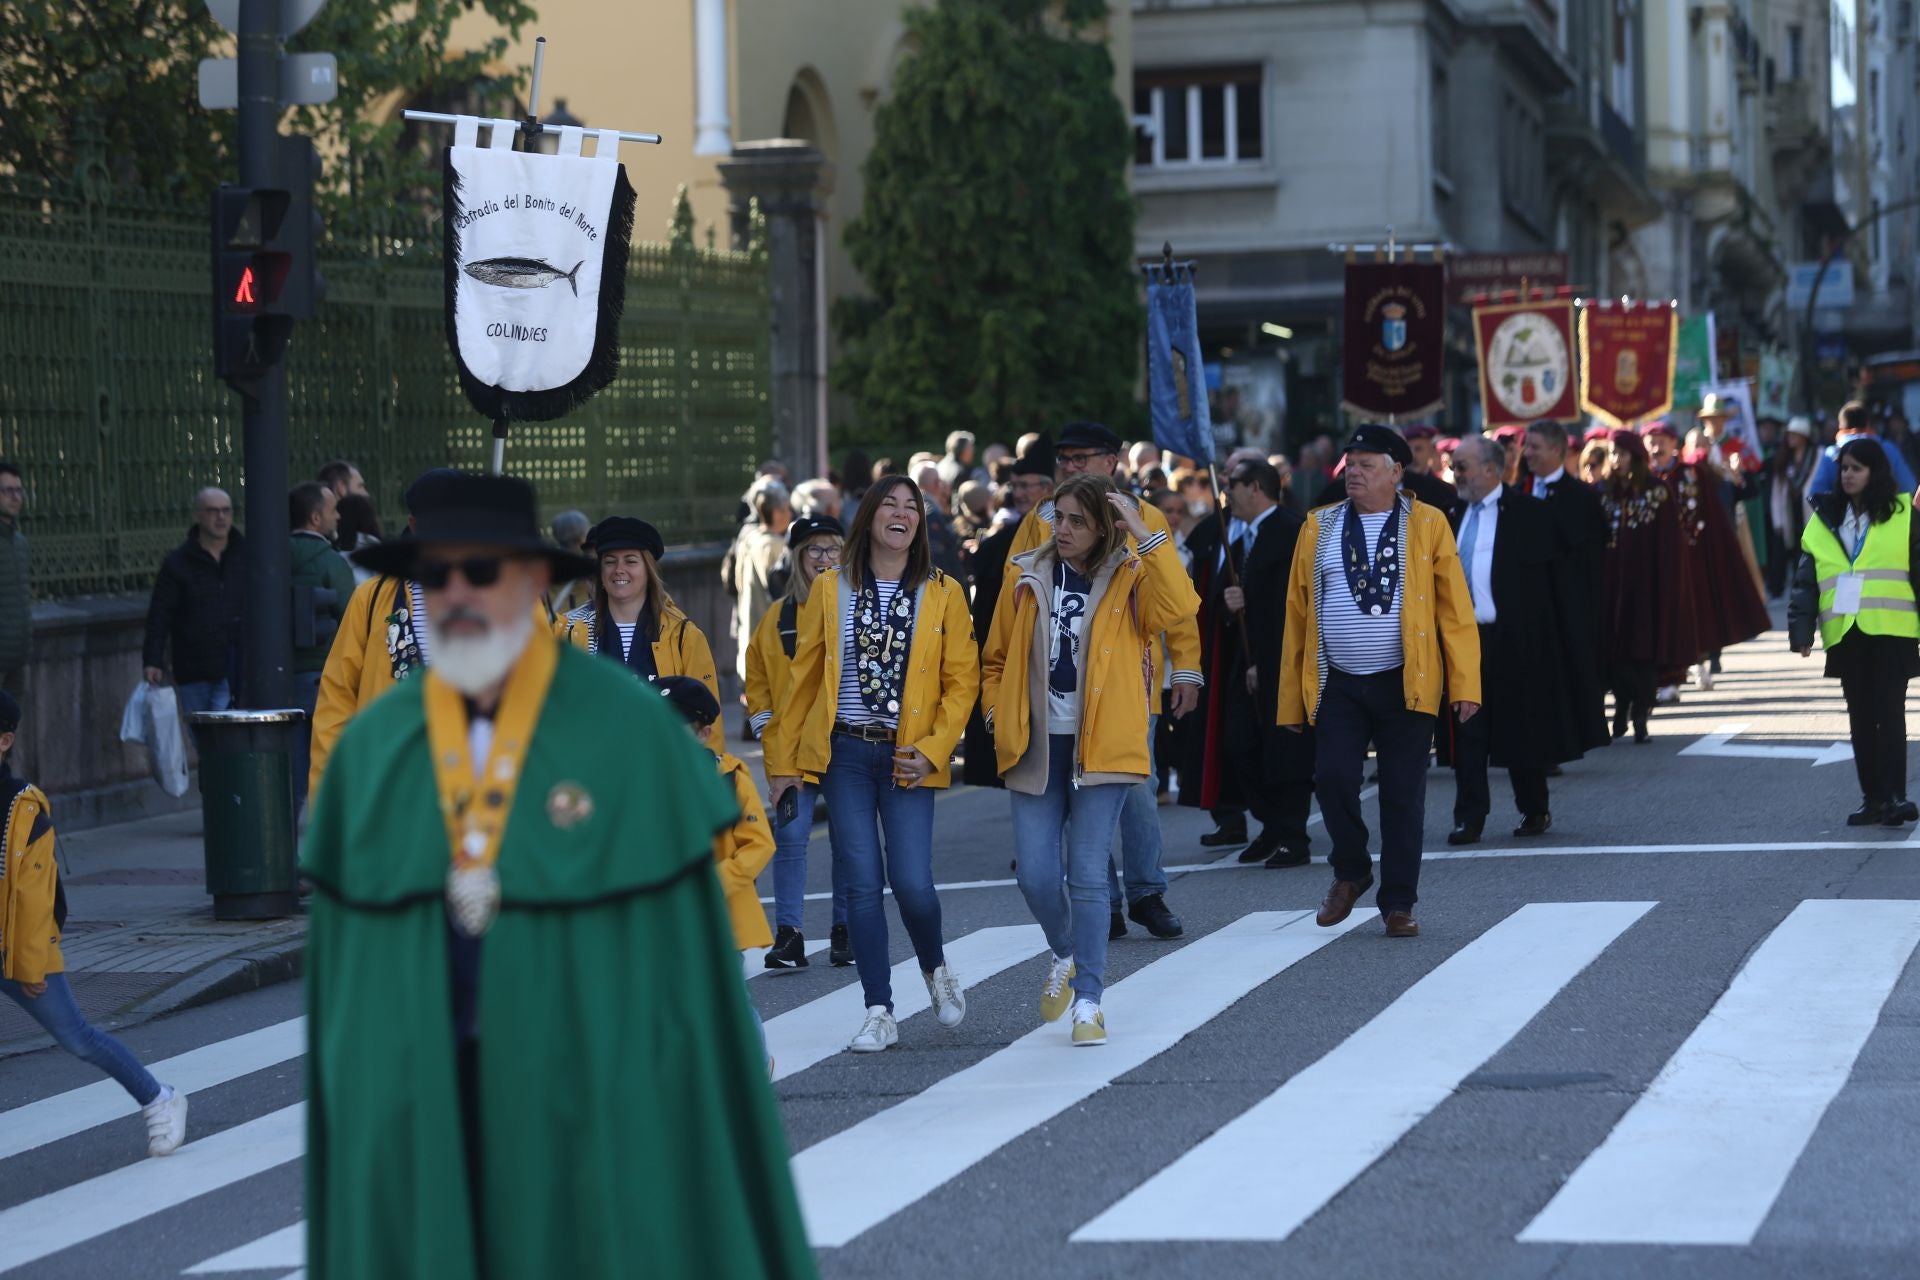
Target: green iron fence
[[109, 404]]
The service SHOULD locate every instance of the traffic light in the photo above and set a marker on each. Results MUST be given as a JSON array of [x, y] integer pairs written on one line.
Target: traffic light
[[265, 275]]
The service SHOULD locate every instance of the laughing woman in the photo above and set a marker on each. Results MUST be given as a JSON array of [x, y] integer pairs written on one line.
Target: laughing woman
[[885, 670], [1066, 693], [630, 603]]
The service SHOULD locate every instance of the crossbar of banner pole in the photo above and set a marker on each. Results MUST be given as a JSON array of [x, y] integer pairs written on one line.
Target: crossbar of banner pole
[[1443, 247], [442, 117]]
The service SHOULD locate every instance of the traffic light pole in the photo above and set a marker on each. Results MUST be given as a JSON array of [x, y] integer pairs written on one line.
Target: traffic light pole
[[268, 642]]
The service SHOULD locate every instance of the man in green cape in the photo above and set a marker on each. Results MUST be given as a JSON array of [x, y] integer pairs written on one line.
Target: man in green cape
[[530, 1050]]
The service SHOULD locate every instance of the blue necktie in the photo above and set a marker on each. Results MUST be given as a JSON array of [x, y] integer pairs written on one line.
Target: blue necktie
[[1469, 535]]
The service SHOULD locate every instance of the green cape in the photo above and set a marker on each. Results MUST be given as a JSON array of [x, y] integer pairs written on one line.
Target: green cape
[[627, 1124]]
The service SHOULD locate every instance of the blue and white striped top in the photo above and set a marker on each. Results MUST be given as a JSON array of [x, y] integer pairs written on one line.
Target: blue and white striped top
[[1357, 643], [851, 708]]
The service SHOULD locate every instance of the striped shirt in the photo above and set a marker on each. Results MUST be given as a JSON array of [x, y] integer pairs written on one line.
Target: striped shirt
[[417, 616], [1357, 643], [852, 709]]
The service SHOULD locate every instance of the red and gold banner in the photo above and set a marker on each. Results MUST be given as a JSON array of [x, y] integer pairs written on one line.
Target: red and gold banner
[[1627, 352], [1526, 362], [1394, 342]]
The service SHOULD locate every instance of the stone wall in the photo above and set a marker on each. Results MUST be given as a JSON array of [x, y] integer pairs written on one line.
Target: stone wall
[[86, 663]]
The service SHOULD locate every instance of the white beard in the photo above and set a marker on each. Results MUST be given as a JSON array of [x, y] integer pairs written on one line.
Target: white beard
[[474, 664]]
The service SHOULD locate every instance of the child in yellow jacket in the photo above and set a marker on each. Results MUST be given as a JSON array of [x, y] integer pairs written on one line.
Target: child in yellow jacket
[[742, 851], [33, 908]]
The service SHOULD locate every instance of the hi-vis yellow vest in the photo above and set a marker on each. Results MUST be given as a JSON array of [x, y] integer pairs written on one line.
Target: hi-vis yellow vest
[[1887, 605]]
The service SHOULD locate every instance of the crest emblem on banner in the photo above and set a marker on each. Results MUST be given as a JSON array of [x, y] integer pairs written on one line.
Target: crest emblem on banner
[[536, 269], [1627, 353], [1393, 326]]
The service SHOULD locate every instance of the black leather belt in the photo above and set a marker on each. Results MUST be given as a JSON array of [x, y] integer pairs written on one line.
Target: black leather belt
[[865, 732]]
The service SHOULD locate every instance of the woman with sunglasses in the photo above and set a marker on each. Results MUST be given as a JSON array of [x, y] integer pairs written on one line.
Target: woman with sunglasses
[[813, 546], [631, 605], [885, 670], [1066, 693]]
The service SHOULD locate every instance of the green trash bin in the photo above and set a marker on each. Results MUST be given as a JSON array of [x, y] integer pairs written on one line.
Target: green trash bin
[[246, 797]]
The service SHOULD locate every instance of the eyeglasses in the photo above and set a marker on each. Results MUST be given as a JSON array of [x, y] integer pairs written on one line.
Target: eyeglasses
[[1083, 458], [479, 571], [820, 553]]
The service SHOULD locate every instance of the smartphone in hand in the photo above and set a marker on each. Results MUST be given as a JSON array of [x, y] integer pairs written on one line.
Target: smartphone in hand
[[789, 807]]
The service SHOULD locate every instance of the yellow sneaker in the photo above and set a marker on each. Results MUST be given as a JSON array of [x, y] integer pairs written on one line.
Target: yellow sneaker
[[1089, 1024], [1055, 994]]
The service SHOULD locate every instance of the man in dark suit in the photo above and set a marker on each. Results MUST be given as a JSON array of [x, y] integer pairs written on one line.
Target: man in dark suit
[[1582, 528], [1509, 552], [1274, 767]]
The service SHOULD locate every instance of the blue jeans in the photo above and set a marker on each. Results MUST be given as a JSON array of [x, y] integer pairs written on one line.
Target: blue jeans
[[1069, 903], [861, 800], [790, 845], [306, 696], [1140, 835], [205, 695], [55, 1010]]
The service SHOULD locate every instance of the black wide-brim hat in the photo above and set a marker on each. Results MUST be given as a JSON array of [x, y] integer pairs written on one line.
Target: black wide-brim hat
[[497, 512]]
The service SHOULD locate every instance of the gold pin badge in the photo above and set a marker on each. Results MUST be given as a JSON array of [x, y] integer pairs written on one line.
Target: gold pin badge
[[568, 805]]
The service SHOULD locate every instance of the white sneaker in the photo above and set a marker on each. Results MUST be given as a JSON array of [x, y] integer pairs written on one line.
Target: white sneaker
[[1089, 1024], [949, 1001], [878, 1032], [1703, 676], [1055, 993], [166, 1118]]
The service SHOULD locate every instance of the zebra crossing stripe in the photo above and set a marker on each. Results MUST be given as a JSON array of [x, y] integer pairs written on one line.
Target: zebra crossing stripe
[[73, 1215], [286, 1247], [1701, 1157], [821, 1028], [77, 1110], [864, 1175], [1277, 1165]]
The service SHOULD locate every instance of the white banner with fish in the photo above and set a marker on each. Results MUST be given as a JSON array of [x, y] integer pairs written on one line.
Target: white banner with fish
[[536, 263]]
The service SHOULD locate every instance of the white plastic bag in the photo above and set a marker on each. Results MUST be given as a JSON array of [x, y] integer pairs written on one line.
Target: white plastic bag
[[133, 726], [152, 718]]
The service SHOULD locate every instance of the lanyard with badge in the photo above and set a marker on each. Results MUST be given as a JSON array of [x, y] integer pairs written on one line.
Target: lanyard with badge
[[1848, 587]]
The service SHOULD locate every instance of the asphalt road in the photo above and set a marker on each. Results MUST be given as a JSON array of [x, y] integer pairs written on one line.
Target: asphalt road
[[1679, 1036]]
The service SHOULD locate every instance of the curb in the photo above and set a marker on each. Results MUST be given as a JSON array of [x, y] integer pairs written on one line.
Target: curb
[[234, 975]]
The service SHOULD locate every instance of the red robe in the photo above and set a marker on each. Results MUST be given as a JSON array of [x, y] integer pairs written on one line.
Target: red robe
[[1645, 616], [1727, 608]]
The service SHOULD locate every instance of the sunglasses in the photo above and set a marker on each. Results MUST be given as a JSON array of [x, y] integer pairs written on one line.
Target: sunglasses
[[479, 571], [1081, 459]]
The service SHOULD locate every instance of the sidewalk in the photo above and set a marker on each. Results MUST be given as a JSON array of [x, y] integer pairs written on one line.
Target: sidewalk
[[141, 939]]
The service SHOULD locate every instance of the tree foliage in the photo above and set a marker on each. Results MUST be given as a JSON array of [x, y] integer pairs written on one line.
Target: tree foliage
[[996, 235], [118, 78]]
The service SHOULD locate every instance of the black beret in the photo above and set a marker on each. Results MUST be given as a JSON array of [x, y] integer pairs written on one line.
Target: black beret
[[1034, 464], [1373, 437], [624, 533], [1087, 435], [812, 527], [691, 698], [430, 490]]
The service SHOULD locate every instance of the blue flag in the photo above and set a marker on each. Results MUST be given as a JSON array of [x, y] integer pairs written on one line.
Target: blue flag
[[1176, 379]]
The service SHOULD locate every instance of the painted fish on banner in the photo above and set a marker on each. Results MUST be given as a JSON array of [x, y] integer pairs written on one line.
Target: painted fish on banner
[[536, 263]]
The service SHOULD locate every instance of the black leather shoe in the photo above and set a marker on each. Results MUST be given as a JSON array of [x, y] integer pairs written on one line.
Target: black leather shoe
[[789, 950], [1116, 926], [1224, 837], [1284, 857], [1869, 813], [839, 949], [1466, 833], [1261, 849], [1555, 771], [1152, 912], [1534, 824], [1907, 810]]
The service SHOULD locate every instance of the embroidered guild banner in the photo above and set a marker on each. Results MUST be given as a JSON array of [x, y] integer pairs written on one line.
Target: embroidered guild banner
[[1526, 362], [1394, 350], [536, 263], [1626, 359]]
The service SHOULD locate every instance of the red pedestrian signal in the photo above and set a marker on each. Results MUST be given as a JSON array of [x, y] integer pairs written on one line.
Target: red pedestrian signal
[[243, 296]]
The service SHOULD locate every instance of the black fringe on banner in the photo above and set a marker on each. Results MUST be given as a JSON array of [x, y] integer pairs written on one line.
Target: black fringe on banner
[[555, 402]]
